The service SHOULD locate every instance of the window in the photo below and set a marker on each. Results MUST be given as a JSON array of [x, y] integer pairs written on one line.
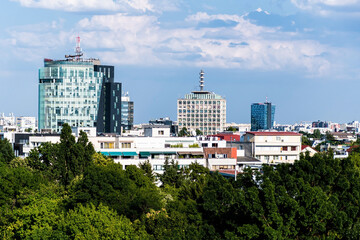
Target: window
[[158, 167], [126, 145], [161, 132], [204, 145], [285, 148], [107, 145], [214, 145], [293, 148]]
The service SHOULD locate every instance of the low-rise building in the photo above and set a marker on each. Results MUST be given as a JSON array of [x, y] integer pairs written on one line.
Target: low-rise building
[[274, 147], [310, 150]]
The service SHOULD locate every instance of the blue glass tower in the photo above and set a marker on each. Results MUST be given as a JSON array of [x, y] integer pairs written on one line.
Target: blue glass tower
[[262, 116]]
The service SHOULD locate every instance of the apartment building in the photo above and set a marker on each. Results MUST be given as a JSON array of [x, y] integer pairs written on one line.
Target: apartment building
[[274, 147]]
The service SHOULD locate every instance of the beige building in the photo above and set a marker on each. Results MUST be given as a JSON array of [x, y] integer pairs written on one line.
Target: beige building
[[202, 110], [274, 147]]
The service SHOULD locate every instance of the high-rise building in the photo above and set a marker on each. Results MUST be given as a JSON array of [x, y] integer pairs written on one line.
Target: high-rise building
[[202, 110], [127, 112], [262, 116], [80, 92]]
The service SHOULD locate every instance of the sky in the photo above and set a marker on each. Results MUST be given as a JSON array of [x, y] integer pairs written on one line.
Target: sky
[[302, 55]]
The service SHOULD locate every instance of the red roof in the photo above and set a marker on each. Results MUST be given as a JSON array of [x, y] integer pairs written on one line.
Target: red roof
[[228, 137], [304, 146], [275, 133], [352, 148]]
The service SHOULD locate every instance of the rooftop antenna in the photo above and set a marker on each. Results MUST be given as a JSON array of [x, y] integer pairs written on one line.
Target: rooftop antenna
[[201, 80], [78, 50], [266, 99]]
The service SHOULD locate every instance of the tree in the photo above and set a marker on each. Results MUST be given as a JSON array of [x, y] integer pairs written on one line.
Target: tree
[[199, 132], [36, 216], [128, 192], [317, 134], [329, 137], [91, 222], [73, 157], [305, 141], [146, 167], [101, 160], [231, 129], [183, 132], [44, 158], [172, 175], [6, 151]]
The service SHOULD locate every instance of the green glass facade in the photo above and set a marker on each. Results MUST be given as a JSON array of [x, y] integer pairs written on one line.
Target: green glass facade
[[69, 92]]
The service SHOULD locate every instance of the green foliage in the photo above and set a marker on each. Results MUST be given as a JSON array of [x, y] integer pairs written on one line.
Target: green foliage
[[37, 215], [13, 182], [305, 141], [231, 129], [195, 145], [183, 132], [90, 222], [18, 162], [146, 167], [199, 132], [65, 160], [329, 137], [6, 151], [314, 198], [172, 174], [179, 145], [130, 193], [317, 134], [41, 216], [101, 160]]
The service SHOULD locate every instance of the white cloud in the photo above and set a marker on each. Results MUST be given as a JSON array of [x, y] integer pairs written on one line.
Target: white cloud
[[140, 40], [89, 5], [103, 5], [329, 7]]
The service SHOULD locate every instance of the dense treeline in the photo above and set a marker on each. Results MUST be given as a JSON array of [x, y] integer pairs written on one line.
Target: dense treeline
[[67, 191]]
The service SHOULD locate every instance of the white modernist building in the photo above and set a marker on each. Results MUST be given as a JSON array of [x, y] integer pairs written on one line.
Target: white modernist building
[[274, 147], [202, 110], [135, 150]]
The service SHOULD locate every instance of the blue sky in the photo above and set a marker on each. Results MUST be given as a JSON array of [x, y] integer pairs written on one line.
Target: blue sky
[[303, 55]]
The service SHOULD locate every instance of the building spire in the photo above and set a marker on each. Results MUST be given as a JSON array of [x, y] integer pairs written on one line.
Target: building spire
[[201, 80], [78, 50]]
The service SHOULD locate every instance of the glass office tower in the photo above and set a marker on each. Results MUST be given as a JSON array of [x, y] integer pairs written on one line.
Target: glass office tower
[[262, 116], [127, 112], [69, 92], [79, 92]]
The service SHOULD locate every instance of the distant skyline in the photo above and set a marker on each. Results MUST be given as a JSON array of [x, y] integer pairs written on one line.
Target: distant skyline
[[302, 55]]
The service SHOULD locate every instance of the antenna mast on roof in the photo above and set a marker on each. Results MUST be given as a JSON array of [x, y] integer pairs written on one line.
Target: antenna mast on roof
[[78, 50], [266, 99], [201, 80]]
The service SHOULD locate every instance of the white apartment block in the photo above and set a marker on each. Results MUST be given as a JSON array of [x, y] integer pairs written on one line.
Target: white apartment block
[[202, 110], [24, 123], [16, 124], [135, 150], [275, 147]]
